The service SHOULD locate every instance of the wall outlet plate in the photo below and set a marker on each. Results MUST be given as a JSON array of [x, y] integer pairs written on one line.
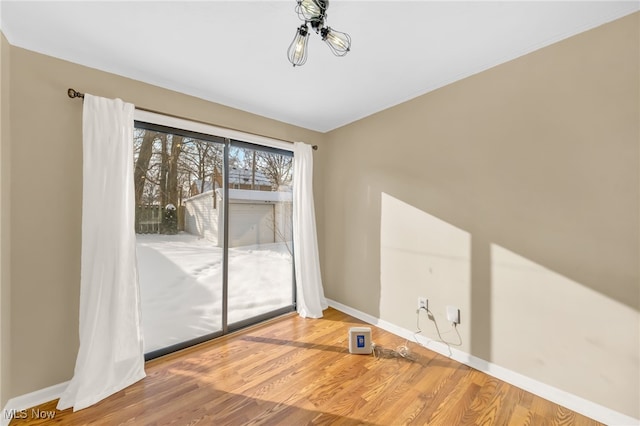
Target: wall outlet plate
[[423, 303], [453, 314]]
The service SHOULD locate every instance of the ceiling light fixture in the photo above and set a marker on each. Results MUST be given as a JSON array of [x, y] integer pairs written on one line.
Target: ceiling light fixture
[[314, 13]]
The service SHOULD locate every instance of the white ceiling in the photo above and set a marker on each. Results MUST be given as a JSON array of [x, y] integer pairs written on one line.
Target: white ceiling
[[234, 52]]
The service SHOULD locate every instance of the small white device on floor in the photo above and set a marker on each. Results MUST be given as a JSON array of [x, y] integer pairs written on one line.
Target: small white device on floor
[[360, 340]]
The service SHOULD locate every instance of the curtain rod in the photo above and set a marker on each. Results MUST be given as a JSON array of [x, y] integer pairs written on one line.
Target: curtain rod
[[75, 94]]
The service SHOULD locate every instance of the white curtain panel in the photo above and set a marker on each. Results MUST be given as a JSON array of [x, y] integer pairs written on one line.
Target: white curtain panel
[[310, 295], [111, 355]]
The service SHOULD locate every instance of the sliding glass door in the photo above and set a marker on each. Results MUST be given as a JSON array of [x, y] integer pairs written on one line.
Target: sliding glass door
[[214, 239], [260, 236]]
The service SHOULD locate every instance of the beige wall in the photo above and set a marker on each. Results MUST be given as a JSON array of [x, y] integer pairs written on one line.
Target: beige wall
[[5, 275], [46, 180], [513, 195]]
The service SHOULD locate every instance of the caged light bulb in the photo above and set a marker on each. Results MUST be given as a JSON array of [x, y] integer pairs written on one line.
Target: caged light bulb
[[338, 42], [312, 10], [297, 52]]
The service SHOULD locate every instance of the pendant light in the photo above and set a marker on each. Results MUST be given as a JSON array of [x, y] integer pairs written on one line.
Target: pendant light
[[314, 13], [297, 52], [338, 42]]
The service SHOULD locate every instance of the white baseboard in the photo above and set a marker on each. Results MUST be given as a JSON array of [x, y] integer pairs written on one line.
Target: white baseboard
[[32, 399], [575, 403]]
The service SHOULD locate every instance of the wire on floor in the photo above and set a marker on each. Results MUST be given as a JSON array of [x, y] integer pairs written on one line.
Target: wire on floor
[[401, 351], [440, 338]]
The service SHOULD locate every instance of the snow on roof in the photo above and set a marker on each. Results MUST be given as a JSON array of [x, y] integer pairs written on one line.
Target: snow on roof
[[199, 185], [245, 176]]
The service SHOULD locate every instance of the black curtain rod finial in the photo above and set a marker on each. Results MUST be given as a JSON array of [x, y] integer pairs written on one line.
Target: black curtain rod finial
[[74, 94]]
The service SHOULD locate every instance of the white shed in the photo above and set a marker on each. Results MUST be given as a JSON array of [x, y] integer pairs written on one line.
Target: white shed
[[256, 217]]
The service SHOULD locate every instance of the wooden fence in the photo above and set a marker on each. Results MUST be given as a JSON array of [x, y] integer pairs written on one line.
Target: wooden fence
[[149, 219]]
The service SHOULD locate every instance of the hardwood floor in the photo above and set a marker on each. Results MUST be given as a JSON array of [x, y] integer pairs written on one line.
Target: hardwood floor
[[295, 371]]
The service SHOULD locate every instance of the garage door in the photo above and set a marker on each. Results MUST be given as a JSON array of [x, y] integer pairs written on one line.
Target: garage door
[[250, 224]]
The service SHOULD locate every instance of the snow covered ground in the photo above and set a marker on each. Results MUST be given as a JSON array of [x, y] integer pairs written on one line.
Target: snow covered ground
[[181, 285]]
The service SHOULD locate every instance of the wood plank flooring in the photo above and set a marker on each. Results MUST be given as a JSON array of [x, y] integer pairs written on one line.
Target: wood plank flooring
[[295, 371]]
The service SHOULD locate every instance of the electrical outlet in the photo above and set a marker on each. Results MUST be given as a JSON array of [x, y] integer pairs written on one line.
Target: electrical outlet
[[453, 314], [423, 303]]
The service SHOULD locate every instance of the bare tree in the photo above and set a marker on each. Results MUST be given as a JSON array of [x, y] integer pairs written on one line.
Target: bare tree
[[164, 166], [172, 170], [276, 167], [169, 183], [142, 164], [201, 160]]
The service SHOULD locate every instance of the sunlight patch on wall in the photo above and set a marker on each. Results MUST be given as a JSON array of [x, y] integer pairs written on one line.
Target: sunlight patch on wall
[[421, 255], [547, 326]]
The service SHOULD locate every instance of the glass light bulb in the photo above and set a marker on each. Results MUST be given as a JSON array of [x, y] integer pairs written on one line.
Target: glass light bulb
[[312, 10], [338, 42], [297, 52], [310, 7]]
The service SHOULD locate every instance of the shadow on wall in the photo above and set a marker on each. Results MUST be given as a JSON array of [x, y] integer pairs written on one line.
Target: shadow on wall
[[562, 332], [519, 314], [422, 256]]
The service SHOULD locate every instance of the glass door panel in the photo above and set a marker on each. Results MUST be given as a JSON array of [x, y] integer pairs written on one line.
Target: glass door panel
[[178, 180], [260, 277]]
